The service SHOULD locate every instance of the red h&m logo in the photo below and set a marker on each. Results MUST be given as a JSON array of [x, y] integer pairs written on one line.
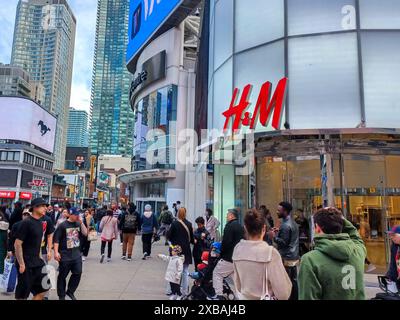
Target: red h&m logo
[[263, 110]]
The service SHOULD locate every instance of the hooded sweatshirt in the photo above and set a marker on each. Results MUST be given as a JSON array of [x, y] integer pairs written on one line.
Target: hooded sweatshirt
[[149, 222], [335, 269], [256, 266]]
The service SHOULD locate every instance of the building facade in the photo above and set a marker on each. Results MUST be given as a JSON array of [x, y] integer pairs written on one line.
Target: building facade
[[44, 40], [14, 81], [328, 126], [78, 135], [26, 150], [111, 118]]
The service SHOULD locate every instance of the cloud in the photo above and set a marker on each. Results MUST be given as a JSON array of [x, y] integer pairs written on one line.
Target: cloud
[[85, 12], [7, 21]]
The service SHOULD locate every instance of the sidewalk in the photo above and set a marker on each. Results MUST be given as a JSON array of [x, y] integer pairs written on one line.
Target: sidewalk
[[137, 279]]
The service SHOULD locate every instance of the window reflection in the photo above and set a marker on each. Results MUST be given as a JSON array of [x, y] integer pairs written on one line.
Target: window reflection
[[156, 111]]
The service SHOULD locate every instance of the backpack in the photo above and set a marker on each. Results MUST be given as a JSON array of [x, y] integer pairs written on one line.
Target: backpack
[[168, 218], [130, 221]]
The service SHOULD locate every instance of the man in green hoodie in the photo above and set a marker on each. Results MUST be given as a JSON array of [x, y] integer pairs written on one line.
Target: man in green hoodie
[[335, 269]]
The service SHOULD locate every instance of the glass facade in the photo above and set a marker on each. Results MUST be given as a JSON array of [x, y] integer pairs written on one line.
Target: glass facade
[[341, 59], [77, 128], [111, 127], [44, 40], [340, 56], [157, 111]]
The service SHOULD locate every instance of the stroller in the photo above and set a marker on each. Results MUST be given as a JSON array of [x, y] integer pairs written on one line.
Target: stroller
[[387, 294], [202, 287]]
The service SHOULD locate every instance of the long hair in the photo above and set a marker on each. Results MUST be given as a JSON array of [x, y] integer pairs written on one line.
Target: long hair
[[182, 213]]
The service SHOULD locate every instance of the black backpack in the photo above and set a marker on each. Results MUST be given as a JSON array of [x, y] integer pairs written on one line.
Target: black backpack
[[168, 218], [130, 221]]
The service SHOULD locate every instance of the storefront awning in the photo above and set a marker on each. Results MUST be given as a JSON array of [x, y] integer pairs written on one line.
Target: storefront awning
[[147, 175]]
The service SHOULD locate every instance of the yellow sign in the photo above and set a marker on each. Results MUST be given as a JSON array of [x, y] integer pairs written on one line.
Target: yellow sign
[[92, 163]]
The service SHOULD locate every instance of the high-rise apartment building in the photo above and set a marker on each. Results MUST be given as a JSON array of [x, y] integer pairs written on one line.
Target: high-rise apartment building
[[44, 40], [77, 128], [111, 125], [14, 81]]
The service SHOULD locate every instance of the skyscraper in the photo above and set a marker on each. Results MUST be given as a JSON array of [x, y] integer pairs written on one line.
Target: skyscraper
[[44, 40], [111, 125], [77, 128], [14, 81]]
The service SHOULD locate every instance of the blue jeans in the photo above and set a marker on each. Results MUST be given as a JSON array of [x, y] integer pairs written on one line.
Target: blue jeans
[[185, 280]]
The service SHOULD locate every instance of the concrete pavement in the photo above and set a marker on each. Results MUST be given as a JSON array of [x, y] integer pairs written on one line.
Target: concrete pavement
[[137, 279]]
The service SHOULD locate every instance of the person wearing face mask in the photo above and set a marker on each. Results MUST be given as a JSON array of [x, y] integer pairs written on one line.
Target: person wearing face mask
[[394, 268]]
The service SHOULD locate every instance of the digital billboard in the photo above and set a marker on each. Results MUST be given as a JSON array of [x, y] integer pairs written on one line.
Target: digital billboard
[[23, 120], [145, 18]]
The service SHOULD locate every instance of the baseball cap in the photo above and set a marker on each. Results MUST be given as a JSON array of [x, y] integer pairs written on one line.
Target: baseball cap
[[395, 229], [74, 211], [36, 203]]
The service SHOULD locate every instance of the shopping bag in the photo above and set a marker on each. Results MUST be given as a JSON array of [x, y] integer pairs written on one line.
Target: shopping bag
[[8, 280], [92, 235]]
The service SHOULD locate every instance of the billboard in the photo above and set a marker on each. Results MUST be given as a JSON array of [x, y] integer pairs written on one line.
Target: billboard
[[23, 120], [145, 18]]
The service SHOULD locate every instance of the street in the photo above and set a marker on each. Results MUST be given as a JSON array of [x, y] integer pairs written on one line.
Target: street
[[137, 279]]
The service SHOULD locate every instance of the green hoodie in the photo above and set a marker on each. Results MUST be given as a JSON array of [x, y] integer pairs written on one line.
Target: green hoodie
[[335, 269]]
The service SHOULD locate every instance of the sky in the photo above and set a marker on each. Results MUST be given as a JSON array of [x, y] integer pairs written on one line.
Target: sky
[[85, 13]]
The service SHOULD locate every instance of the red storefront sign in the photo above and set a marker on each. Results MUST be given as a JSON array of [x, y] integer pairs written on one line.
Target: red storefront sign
[[263, 109], [37, 183], [25, 195], [7, 194]]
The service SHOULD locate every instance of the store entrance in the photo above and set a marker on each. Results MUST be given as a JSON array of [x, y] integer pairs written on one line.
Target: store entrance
[[293, 179], [371, 188]]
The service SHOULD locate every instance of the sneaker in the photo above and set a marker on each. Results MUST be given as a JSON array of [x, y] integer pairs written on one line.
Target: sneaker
[[370, 268], [83, 258], [173, 297], [121, 244], [123, 257], [102, 258], [144, 256], [108, 259], [71, 295], [45, 298], [129, 259], [178, 297]]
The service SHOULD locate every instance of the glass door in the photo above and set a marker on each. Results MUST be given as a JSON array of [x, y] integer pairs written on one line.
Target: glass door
[[365, 199]]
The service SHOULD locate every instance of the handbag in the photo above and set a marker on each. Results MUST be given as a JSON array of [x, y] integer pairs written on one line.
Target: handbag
[[92, 235], [4, 225], [8, 280]]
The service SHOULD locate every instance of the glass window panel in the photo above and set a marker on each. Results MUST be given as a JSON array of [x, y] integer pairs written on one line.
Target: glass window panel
[[380, 14], [314, 16], [381, 65], [256, 67], [324, 82], [222, 94], [260, 22], [223, 32]]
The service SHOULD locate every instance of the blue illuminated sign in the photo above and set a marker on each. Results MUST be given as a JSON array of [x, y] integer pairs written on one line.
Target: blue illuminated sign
[[145, 18]]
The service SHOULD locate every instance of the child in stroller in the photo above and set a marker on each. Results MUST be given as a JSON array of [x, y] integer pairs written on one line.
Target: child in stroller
[[202, 286]]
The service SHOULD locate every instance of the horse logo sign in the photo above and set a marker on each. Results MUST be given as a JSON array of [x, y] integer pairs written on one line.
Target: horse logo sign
[[43, 128]]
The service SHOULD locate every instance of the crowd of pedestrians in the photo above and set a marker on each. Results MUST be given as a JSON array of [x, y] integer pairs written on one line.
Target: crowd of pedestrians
[[254, 258]]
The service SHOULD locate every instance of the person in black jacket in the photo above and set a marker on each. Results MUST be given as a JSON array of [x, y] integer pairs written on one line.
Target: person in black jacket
[[233, 233], [129, 224], [17, 214], [181, 233]]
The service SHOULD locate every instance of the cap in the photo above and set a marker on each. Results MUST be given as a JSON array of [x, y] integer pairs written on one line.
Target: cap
[[37, 202], [395, 229], [74, 211], [177, 249], [216, 246], [147, 207], [56, 206]]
